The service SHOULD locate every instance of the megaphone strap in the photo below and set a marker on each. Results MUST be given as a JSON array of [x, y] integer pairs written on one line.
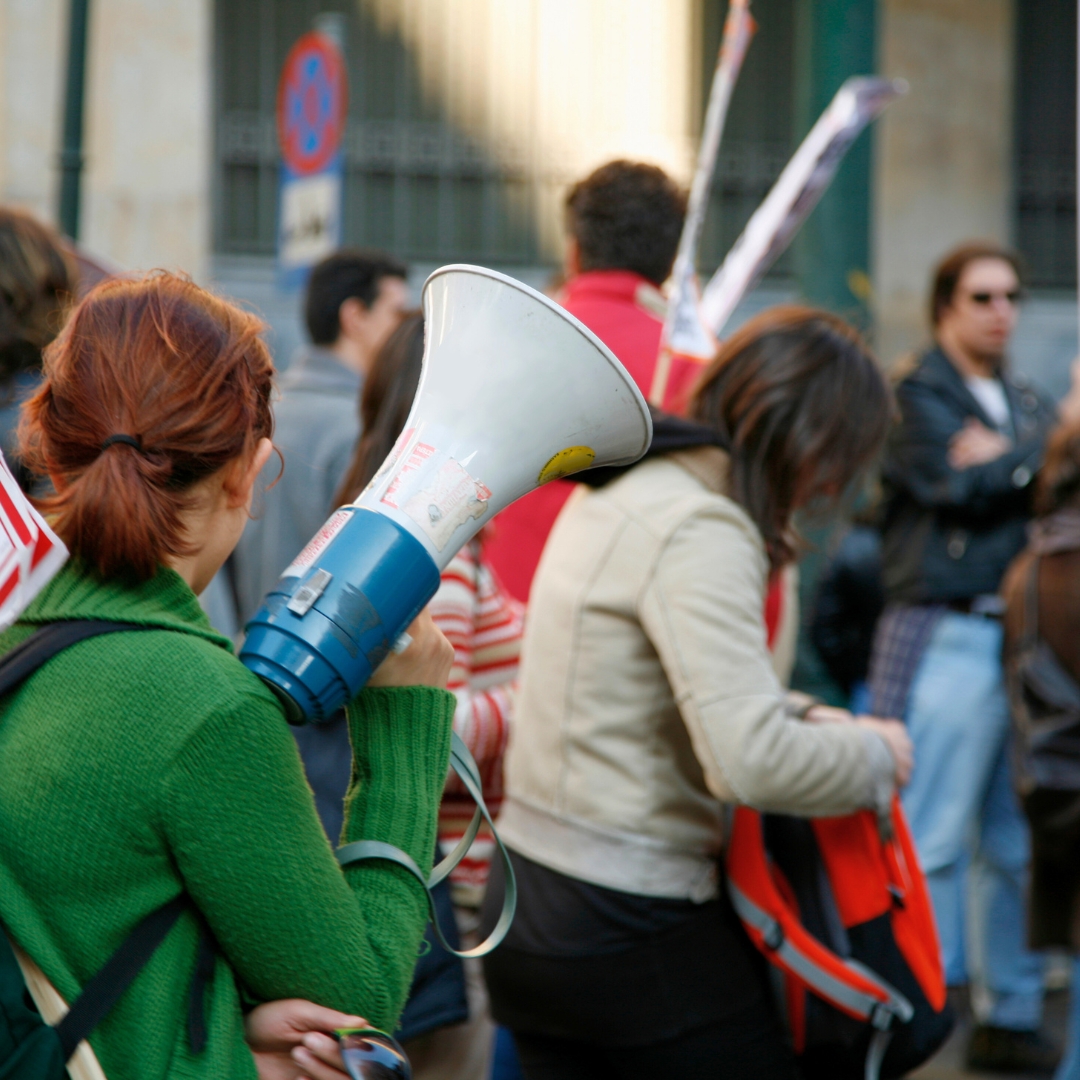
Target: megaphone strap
[[463, 763]]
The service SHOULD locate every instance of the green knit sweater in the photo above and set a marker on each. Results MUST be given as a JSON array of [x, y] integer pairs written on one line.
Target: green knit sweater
[[138, 765]]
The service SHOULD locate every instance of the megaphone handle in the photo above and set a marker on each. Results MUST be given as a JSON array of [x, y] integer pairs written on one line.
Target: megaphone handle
[[463, 763]]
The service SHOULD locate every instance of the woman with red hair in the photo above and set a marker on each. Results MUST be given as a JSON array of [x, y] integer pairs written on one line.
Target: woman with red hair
[[146, 764]]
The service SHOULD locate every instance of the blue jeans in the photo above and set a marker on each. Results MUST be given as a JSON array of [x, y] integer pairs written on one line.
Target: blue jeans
[[970, 833], [1069, 1069]]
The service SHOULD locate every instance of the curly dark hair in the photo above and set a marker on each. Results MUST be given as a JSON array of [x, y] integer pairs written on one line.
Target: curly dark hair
[[627, 216]]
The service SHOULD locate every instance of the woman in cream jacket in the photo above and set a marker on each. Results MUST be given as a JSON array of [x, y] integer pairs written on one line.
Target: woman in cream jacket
[[649, 700]]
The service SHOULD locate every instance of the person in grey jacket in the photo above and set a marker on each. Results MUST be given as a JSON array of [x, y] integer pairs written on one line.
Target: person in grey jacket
[[649, 698], [354, 301]]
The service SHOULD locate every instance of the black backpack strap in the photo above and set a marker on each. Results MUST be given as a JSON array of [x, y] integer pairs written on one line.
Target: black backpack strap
[[205, 960], [108, 985], [106, 988], [45, 643]]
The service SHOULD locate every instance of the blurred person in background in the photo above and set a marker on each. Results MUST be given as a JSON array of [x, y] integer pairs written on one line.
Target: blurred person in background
[[445, 1027], [623, 223], [957, 480], [1044, 613], [353, 303], [649, 699], [38, 280], [170, 768], [848, 603]]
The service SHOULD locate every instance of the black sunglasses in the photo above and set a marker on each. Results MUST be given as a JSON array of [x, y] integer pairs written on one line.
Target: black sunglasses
[[983, 299], [370, 1054]]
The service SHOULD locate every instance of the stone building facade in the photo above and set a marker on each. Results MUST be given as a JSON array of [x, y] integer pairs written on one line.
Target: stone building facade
[[469, 117]]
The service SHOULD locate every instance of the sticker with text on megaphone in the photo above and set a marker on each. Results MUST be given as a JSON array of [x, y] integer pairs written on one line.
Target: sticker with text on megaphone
[[571, 460], [432, 488]]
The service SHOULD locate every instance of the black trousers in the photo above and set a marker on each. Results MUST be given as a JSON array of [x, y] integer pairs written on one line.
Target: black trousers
[[747, 1046], [690, 998]]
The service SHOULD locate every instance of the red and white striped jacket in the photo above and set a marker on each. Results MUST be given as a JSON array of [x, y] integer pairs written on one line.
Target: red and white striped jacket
[[485, 625]]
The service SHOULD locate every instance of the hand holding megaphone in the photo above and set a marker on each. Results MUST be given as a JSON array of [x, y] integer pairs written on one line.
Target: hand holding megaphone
[[514, 392], [421, 656]]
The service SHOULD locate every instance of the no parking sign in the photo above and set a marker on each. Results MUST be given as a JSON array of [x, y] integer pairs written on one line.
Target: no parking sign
[[311, 109]]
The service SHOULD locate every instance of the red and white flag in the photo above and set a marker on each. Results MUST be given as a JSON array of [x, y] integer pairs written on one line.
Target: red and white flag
[[797, 191], [30, 552]]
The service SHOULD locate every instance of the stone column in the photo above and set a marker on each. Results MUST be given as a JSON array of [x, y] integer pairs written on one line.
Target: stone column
[[149, 124], [32, 41], [943, 154]]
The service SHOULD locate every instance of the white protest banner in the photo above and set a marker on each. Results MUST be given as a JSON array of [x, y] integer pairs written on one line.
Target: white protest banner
[[797, 191], [684, 334], [30, 552]]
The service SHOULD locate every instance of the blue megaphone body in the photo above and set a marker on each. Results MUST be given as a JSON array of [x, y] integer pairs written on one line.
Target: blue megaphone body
[[513, 392]]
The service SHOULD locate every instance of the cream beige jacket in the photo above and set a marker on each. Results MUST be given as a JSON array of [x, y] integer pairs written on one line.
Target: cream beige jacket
[[648, 696]]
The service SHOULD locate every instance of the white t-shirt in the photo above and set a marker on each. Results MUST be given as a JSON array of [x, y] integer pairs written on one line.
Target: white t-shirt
[[990, 394]]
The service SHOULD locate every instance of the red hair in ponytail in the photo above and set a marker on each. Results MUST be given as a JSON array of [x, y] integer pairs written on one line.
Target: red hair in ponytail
[[182, 372]]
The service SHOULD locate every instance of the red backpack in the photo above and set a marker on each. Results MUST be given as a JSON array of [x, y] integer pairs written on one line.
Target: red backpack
[[845, 917]]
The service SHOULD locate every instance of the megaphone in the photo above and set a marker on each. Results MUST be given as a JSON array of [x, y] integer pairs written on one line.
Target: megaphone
[[513, 392]]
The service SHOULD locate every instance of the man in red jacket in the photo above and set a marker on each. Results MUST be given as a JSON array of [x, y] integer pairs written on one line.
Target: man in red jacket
[[623, 223]]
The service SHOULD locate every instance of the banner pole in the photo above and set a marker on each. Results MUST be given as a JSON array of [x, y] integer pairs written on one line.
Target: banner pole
[[739, 27]]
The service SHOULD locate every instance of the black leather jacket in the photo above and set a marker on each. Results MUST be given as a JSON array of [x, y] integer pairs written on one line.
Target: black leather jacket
[[949, 535]]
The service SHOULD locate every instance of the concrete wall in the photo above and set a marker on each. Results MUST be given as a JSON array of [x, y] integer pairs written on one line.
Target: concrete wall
[[944, 154], [146, 193], [148, 124], [32, 48]]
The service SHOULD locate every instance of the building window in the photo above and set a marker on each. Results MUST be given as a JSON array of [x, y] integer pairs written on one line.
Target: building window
[[418, 184], [414, 183], [1045, 141]]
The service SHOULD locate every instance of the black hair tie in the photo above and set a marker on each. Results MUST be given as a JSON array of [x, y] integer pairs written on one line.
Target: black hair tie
[[127, 440]]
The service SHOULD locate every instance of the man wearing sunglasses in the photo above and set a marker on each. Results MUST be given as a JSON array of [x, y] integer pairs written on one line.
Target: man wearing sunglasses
[[957, 477]]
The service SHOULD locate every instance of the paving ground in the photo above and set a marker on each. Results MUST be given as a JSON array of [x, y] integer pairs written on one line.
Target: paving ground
[[948, 1064]]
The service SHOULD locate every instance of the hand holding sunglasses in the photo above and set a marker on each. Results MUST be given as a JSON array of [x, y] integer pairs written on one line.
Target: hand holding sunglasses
[[370, 1054], [294, 1038]]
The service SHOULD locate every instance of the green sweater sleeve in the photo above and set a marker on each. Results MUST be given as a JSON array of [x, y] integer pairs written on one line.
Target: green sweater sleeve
[[241, 824]]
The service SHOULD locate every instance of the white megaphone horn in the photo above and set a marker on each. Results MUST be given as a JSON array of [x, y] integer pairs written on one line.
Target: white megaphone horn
[[514, 392]]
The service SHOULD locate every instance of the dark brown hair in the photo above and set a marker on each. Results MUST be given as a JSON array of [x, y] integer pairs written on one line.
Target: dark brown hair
[[183, 373], [627, 216], [37, 283], [385, 403], [347, 274], [804, 408], [948, 272]]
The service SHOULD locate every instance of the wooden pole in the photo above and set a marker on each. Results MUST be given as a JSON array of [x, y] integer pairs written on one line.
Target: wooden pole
[[83, 1064]]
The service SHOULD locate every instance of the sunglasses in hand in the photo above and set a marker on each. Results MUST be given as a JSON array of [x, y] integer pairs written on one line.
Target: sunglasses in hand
[[370, 1054]]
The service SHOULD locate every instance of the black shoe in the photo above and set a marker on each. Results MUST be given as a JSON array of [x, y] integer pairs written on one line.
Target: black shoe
[[995, 1049]]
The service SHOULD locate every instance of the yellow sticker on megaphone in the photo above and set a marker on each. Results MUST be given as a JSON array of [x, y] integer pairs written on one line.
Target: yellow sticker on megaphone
[[571, 460]]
